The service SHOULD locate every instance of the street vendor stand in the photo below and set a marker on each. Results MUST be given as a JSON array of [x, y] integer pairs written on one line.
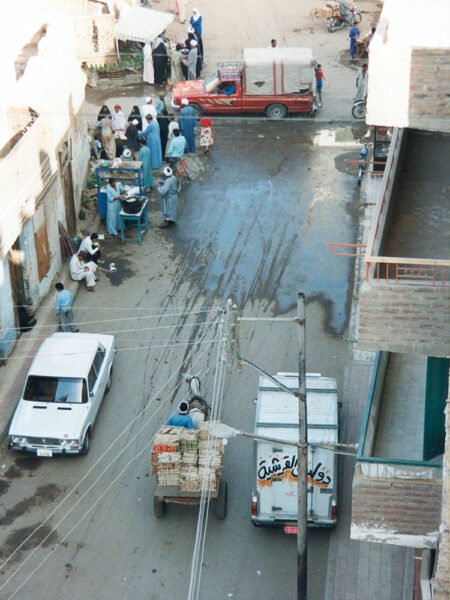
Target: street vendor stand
[[129, 173]]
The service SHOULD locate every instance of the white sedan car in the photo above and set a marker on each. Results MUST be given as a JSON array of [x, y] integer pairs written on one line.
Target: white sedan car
[[65, 386]]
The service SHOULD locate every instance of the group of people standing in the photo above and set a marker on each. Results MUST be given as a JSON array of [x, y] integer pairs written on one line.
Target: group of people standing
[[175, 61]]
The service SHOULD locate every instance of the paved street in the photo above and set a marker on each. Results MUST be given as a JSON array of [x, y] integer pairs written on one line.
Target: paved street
[[253, 227]]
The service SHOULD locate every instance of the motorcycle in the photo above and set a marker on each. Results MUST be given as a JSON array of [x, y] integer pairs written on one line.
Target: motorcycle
[[359, 109], [362, 164], [342, 14]]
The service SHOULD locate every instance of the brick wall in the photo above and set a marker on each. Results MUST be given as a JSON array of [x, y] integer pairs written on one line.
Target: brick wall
[[406, 513], [429, 100], [404, 318]]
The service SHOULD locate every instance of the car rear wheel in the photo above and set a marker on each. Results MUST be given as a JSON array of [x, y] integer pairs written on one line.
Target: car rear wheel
[[197, 109], [276, 111], [85, 447]]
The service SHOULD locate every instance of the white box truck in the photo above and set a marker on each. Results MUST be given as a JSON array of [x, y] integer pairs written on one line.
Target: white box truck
[[274, 498]]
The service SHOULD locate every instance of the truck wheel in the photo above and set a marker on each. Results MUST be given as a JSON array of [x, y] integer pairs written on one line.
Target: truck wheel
[[197, 109], [221, 502], [85, 447], [276, 111], [159, 507]]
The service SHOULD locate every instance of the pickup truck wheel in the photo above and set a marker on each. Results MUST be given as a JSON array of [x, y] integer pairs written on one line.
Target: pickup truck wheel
[[276, 111], [109, 380], [159, 507], [221, 502], [197, 109], [85, 447]]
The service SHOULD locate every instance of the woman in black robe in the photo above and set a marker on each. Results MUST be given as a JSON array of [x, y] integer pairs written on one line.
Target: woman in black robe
[[103, 112], [163, 121], [160, 60], [136, 114], [193, 35]]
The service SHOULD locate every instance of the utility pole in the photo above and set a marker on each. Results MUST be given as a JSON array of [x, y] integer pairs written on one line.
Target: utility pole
[[302, 473]]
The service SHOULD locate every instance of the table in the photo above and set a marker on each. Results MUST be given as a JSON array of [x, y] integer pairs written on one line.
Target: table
[[129, 173], [134, 219]]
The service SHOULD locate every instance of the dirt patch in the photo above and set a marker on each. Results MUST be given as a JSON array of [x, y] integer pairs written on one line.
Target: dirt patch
[[16, 538], [28, 463]]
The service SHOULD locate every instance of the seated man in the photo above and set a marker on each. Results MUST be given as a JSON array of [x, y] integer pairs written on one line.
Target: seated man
[[230, 89], [176, 148], [91, 245], [181, 419], [80, 269]]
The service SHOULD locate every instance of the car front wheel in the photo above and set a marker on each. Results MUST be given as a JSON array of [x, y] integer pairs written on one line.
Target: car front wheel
[[85, 447], [197, 109]]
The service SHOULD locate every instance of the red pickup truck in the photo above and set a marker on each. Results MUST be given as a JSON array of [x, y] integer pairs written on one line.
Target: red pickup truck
[[271, 81]]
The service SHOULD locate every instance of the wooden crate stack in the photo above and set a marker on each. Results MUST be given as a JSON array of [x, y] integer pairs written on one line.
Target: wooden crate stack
[[187, 458]]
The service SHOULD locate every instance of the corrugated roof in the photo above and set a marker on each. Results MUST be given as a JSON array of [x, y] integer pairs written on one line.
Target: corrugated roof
[[141, 24]]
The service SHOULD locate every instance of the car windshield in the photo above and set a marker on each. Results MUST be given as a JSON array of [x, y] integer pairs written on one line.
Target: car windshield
[[67, 390], [211, 82]]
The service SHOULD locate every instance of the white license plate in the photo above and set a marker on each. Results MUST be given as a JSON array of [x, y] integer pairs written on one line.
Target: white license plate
[[44, 452]]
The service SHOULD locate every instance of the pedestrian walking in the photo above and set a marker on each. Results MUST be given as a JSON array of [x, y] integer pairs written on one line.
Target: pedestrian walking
[[135, 114], [114, 195], [145, 157], [192, 60], [176, 149], [107, 137], [81, 267], [176, 71], [353, 34], [182, 10], [172, 126], [160, 58], [193, 35], [91, 245], [118, 118], [319, 82], [132, 136], [151, 134], [163, 123], [148, 109], [206, 134], [160, 104], [187, 123], [196, 21], [361, 83], [63, 308], [148, 73], [168, 192]]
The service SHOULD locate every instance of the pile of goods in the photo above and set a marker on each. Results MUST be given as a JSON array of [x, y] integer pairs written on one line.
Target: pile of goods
[[190, 459]]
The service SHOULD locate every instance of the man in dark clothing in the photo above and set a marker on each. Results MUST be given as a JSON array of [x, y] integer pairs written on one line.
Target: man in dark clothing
[[132, 136]]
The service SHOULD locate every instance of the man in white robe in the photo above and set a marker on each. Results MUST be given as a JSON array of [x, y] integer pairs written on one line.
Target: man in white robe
[[81, 269], [148, 109]]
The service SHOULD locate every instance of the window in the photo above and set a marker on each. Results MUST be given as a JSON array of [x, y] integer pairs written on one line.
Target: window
[[98, 360], [65, 390], [92, 378]]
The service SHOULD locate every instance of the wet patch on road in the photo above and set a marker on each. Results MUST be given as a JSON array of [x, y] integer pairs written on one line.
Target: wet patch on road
[[43, 495], [28, 463], [123, 272], [342, 163], [43, 536], [4, 485]]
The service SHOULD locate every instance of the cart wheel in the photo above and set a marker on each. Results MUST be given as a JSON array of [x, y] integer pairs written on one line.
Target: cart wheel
[[221, 502], [159, 507]]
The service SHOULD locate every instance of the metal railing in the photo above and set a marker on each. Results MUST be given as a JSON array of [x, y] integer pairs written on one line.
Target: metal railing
[[404, 270], [334, 245]]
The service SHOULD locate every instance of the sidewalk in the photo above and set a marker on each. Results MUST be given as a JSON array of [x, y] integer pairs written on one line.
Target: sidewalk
[[16, 366]]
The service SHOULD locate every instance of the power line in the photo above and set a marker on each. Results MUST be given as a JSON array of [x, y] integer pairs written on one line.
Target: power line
[[139, 415]]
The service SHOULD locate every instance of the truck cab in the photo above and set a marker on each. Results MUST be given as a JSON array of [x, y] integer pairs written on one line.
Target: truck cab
[[274, 498]]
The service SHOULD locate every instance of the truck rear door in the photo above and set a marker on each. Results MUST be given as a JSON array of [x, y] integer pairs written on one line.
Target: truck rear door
[[321, 484], [277, 481]]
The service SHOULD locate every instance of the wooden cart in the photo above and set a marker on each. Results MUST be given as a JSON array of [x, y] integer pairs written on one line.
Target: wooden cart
[[172, 493]]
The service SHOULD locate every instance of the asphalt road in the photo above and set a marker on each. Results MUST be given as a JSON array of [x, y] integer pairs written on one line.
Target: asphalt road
[[252, 227]]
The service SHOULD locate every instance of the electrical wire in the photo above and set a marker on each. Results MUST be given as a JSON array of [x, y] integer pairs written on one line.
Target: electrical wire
[[138, 416], [88, 511]]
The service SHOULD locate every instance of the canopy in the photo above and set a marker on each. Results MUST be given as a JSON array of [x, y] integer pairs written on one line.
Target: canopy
[[141, 24]]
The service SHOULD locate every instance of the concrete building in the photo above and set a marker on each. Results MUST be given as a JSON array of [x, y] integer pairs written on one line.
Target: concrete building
[[43, 157], [400, 485]]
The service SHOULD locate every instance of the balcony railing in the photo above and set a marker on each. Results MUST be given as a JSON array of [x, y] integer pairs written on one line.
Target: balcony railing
[[387, 468]]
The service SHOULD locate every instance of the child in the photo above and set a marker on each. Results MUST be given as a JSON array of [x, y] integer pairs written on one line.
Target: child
[[319, 82]]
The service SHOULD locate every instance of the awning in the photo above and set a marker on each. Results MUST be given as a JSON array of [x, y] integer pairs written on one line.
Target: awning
[[141, 24]]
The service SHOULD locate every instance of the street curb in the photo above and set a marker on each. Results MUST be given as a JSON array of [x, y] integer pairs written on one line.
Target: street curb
[[10, 390]]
